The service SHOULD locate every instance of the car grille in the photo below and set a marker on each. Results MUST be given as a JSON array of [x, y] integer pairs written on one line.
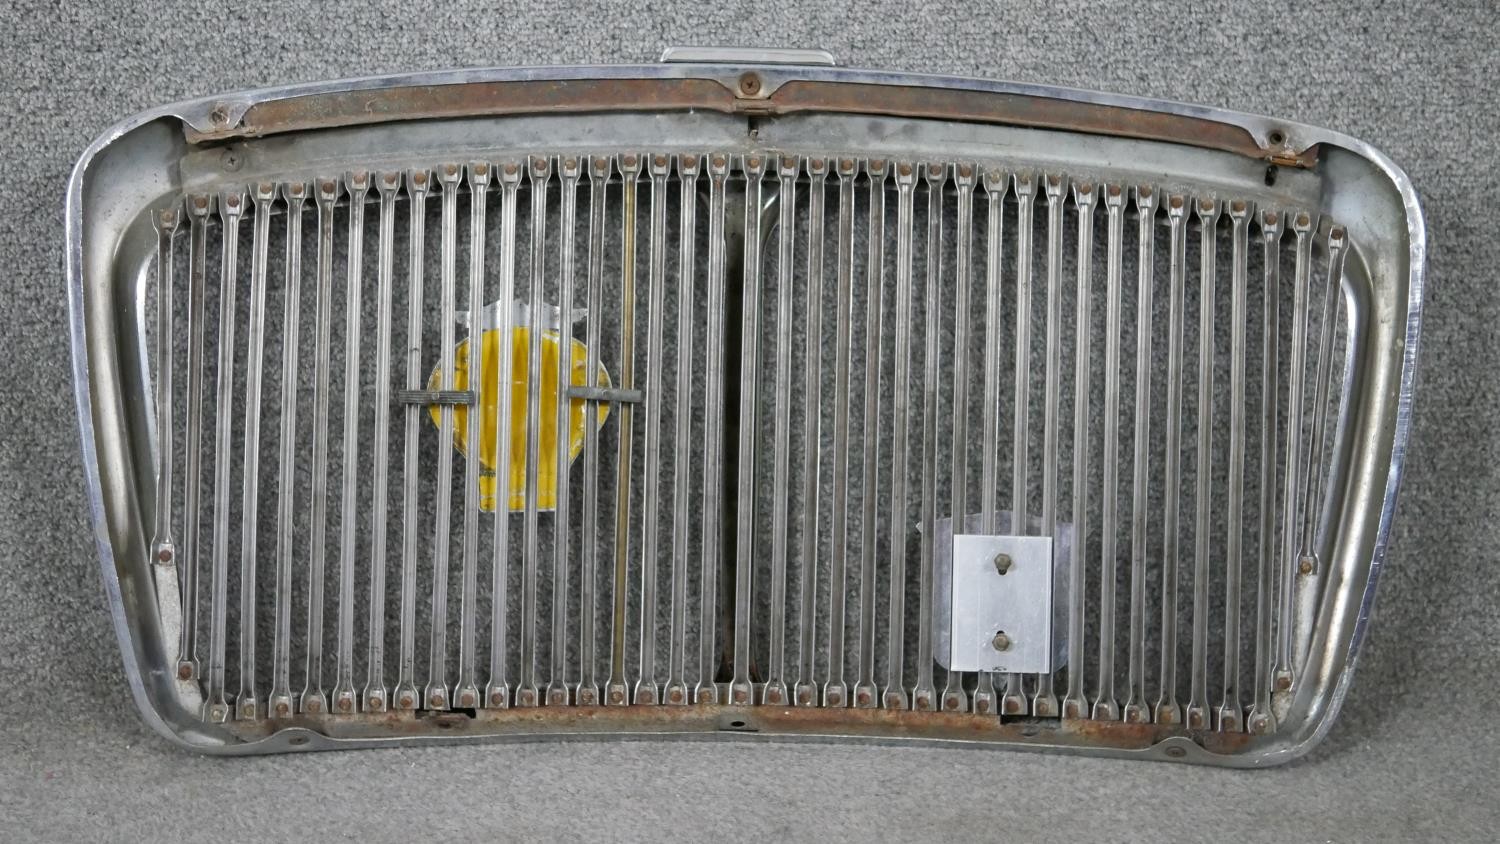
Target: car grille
[[841, 405]]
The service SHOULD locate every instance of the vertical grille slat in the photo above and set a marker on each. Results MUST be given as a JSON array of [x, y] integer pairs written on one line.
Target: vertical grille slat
[[1207, 211], [497, 688], [955, 698], [437, 691], [935, 177], [894, 695], [1167, 709], [682, 500], [996, 183], [741, 688], [646, 689], [343, 702], [467, 686], [1105, 706], [387, 186], [417, 182], [707, 690], [1302, 224], [1230, 717], [231, 209], [617, 692], [569, 168], [1259, 718], [864, 689], [1044, 705], [246, 702], [188, 664], [280, 703], [588, 683], [835, 690], [527, 688], [1075, 701], [806, 692], [775, 692], [1135, 710], [1014, 701]]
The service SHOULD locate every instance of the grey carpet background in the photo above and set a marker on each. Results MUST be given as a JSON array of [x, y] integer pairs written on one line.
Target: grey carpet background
[[1412, 758]]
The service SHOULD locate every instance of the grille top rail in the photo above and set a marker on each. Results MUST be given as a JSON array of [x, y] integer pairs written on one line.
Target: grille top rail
[[775, 370]]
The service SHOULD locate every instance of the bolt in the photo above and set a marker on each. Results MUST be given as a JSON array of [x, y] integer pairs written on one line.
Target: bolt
[[220, 115], [1003, 562], [1001, 642], [750, 84]]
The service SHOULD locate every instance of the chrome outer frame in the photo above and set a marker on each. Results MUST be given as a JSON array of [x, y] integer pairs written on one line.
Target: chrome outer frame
[[1381, 256]]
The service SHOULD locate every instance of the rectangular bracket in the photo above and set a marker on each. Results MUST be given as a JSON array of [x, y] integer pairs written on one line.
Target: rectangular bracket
[[1004, 605]]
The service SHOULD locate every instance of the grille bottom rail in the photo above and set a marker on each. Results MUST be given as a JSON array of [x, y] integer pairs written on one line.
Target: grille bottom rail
[[781, 378]]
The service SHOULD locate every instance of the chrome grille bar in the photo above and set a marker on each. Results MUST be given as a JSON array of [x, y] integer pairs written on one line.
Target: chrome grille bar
[[1044, 705], [775, 693], [1105, 706], [864, 688], [343, 691], [247, 701], [1260, 718], [806, 688], [1014, 701], [588, 683], [677, 688], [569, 168], [965, 177], [467, 687], [894, 695], [707, 691], [280, 704], [1075, 702], [1167, 709], [527, 688], [1207, 211], [406, 693], [740, 690], [1230, 716], [387, 185], [199, 207], [1135, 711], [836, 690], [231, 208], [646, 689]]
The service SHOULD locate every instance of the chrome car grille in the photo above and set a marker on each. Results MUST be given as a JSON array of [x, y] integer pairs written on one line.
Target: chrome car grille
[[842, 404]]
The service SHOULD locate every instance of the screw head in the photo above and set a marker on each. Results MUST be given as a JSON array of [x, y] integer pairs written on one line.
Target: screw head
[[1003, 562], [1306, 566], [1001, 642]]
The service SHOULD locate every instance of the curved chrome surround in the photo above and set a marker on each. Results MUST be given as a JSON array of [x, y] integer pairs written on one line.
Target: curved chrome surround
[[1391, 257]]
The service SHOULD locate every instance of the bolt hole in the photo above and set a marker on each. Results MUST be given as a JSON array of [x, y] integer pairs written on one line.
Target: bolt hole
[[736, 723], [297, 741], [1276, 138], [1176, 752], [1271, 175]]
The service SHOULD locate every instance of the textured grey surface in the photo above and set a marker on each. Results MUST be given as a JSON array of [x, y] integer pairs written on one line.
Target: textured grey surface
[[1411, 758]]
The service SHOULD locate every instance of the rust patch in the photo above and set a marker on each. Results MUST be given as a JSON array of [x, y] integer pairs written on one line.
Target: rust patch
[[769, 720], [420, 102]]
